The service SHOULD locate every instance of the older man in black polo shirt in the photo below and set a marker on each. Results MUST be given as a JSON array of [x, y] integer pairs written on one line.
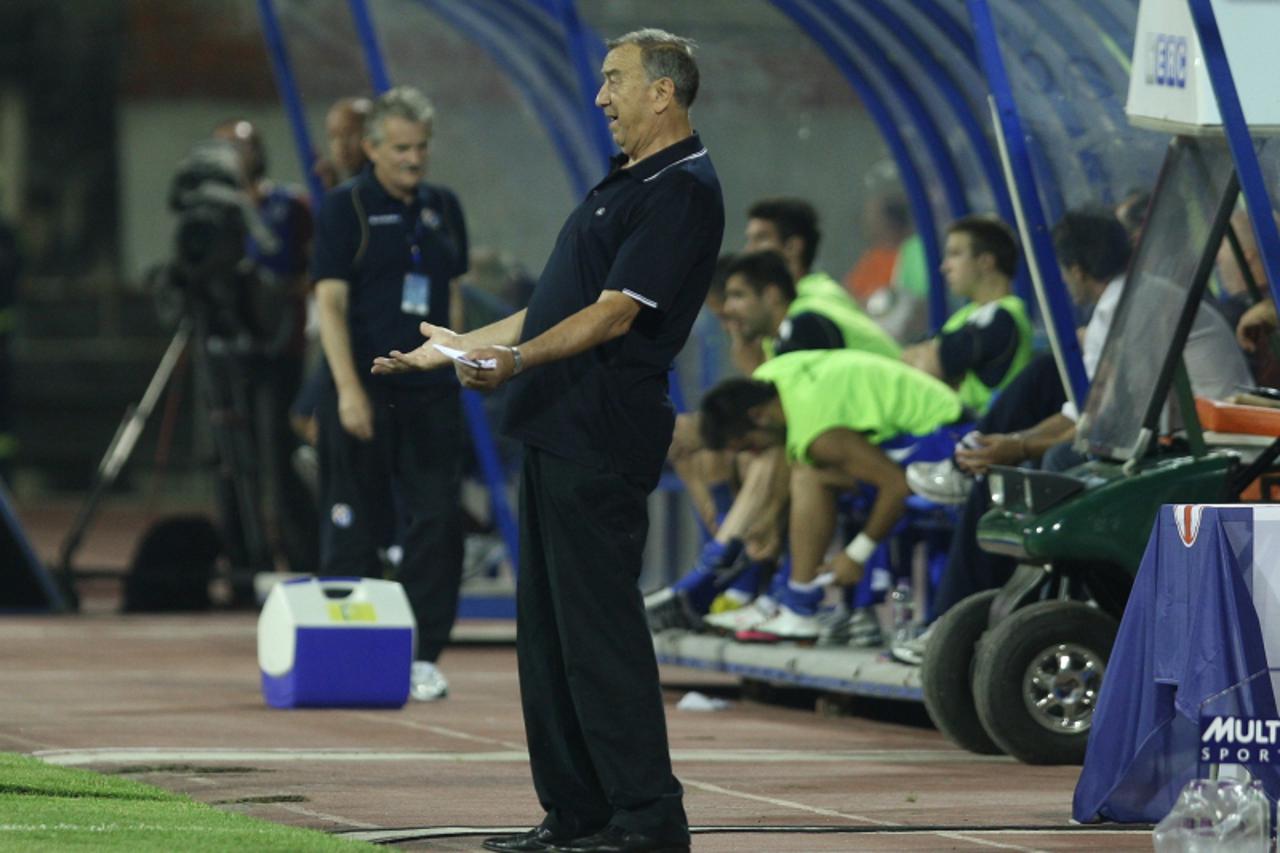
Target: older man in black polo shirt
[[387, 246], [612, 309]]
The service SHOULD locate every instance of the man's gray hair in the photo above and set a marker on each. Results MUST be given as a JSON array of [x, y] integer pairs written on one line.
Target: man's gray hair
[[403, 102], [665, 55]]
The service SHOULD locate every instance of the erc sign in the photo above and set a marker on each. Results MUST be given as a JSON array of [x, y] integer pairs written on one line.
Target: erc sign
[[1166, 60]]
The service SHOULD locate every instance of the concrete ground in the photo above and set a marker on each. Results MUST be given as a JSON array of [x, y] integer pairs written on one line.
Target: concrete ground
[[175, 701]]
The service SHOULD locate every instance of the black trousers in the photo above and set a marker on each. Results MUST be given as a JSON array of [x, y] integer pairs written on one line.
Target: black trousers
[[291, 505], [588, 676], [403, 487], [247, 401], [1034, 395]]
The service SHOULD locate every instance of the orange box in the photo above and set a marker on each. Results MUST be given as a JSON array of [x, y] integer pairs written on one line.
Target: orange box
[[1233, 417]]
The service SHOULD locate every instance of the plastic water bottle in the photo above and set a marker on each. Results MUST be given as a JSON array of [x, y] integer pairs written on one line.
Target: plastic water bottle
[[902, 608], [1225, 817], [1259, 800]]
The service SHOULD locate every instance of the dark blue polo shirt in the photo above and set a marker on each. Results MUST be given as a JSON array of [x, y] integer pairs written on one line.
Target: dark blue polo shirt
[[653, 232], [284, 211], [364, 236]]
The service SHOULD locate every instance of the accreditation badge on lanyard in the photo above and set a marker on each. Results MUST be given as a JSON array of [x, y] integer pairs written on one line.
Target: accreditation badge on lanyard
[[415, 297]]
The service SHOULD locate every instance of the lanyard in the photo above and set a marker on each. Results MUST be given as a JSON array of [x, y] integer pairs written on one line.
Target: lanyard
[[425, 219]]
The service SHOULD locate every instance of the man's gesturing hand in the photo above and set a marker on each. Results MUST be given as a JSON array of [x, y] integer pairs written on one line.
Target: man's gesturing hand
[[425, 357]]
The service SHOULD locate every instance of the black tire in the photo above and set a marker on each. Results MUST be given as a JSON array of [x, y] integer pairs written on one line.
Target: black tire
[[1035, 640], [947, 673]]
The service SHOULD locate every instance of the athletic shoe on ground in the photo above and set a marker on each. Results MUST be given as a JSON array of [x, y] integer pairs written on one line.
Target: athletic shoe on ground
[[786, 626], [833, 625], [911, 652], [941, 482], [744, 618], [306, 464], [426, 682], [668, 609], [864, 629], [730, 599]]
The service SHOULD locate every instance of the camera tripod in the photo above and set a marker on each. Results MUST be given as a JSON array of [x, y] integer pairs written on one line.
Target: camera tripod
[[227, 405]]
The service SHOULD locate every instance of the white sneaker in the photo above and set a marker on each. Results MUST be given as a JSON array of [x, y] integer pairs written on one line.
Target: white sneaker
[[941, 482], [787, 625], [669, 609], [426, 682], [306, 464], [912, 652], [744, 618], [863, 629]]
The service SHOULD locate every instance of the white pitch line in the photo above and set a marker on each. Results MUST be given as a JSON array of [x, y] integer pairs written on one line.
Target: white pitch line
[[131, 755], [266, 756], [345, 821], [402, 834], [818, 810], [421, 832], [790, 804], [440, 730], [956, 836], [515, 752], [891, 756]]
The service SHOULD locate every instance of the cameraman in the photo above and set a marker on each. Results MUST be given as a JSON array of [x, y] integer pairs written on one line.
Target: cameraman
[[278, 375], [388, 246]]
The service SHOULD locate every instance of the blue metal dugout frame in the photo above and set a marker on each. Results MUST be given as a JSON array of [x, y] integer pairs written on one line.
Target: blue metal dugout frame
[[1031, 216], [909, 173], [946, 85], [1239, 141], [376, 68], [553, 98], [933, 142], [949, 89], [287, 86], [586, 51]]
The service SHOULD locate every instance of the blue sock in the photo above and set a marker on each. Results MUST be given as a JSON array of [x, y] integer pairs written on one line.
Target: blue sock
[[780, 578], [699, 584], [802, 600], [748, 580]]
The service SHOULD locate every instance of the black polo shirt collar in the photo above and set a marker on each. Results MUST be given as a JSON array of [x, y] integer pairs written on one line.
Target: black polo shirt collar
[[650, 167], [382, 196]]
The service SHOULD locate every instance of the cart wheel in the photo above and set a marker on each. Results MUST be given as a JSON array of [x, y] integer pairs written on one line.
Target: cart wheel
[[1037, 677], [947, 673]]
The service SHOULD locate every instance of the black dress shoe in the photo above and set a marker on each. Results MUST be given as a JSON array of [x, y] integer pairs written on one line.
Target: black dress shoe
[[538, 838], [613, 839]]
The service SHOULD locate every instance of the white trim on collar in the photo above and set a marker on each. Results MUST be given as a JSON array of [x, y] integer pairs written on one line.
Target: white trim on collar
[[695, 155]]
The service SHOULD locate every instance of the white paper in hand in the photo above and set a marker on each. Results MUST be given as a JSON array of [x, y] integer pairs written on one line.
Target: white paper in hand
[[461, 357]]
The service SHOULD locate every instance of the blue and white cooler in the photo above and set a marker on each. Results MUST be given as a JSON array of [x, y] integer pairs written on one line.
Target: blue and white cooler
[[336, 642]]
